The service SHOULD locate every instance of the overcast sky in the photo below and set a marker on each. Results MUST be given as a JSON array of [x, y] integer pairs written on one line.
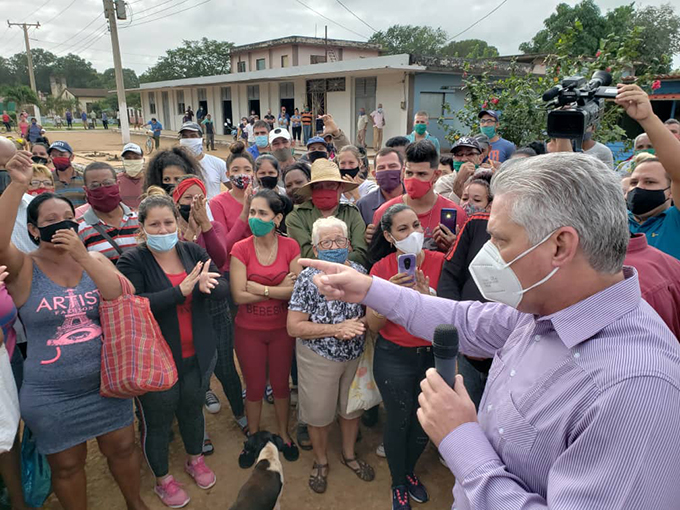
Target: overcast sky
[[78, 26]]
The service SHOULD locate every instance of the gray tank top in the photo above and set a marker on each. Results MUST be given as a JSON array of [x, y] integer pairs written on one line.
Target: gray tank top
[[64, 334]]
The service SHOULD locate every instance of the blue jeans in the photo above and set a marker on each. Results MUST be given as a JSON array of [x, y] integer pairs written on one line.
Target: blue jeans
[[306, 133]]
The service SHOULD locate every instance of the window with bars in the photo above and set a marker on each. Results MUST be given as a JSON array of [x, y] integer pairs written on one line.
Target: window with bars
[[335, 85], [260, 64], [202, 94], [241, 67], [226, 93], [253, 92], [181, 106], [287, 90], [317, 59], [152, 103]]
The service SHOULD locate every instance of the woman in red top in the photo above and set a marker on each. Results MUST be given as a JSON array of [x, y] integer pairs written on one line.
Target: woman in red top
[[230, 208], [400, 358], [263, 272]]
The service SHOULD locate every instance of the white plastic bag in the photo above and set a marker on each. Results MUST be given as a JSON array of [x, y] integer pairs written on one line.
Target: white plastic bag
[[364, 393], [9, 403]]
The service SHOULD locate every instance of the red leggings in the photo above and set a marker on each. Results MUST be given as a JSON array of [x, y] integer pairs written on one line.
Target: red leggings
[[258, 351]]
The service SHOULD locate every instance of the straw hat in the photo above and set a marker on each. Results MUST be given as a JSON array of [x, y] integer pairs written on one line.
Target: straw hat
[[324, 170]]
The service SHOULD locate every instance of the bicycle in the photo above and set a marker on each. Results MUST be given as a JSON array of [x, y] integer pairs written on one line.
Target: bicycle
[[150, 142]]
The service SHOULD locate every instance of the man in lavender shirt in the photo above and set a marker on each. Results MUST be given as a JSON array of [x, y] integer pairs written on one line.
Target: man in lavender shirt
[[582, 402]]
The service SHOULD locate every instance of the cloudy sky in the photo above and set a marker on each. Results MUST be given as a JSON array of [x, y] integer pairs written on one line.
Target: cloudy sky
[[78, 26]]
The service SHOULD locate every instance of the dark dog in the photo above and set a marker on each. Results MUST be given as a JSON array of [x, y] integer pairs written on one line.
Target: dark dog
[[263, 489]]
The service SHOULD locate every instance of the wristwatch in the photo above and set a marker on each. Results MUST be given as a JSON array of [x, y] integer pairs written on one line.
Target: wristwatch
[[266, 291]]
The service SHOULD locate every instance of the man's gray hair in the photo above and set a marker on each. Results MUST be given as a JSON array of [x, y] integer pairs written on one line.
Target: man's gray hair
[[569, 190]]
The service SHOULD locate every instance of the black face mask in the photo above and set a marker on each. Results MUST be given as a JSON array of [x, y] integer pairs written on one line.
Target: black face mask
[[46, 233], [352, 172], [39, 161], [641, 201], [269, 182], [168, 187], [314, 155], [185, 211]]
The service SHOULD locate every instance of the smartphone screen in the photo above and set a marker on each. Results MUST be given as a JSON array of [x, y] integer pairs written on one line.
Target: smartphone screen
[[448, 218]]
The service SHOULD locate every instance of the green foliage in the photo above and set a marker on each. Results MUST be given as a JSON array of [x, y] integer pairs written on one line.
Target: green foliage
[[659, 32], [21, 95], [518, 96], [469, 48], [419, 40], [79, 73], [207, 57]]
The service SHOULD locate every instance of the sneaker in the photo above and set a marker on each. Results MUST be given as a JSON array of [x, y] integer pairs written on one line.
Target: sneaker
[[212, 403], [269, 395], [202, 474], [293, 397], [380, 450], [171, 493], [400, 498], [416, 489]]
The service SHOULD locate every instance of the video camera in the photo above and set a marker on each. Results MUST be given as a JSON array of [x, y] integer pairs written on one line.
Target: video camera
[[586, 101]]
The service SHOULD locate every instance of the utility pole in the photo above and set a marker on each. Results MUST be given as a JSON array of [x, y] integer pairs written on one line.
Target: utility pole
[[29, 57], [325, 86], [111, 12]]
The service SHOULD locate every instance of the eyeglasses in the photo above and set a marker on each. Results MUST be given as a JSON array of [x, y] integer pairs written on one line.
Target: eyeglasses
[[44, 184], [97, 185], [486, 122], [327, 244]]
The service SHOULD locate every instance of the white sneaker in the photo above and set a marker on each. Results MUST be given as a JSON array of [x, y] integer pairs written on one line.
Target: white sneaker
[[212, 403], [380, 450]]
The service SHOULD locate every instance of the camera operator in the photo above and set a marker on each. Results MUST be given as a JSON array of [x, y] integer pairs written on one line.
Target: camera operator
[[596, 149], [656, 181], [581, 405]]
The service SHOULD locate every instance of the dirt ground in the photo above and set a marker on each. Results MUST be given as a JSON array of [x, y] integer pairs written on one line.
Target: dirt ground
[[345, 490]]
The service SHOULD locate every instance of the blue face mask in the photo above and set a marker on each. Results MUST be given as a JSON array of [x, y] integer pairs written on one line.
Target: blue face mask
[[161, 242], [261, 141], [337, 255]]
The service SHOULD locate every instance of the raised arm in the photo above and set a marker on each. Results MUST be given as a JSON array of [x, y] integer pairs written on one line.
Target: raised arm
[[638, 107]]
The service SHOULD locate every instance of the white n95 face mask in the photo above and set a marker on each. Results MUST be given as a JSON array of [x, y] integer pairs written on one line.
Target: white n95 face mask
[[195, 145], [412, 244], [495, 278]]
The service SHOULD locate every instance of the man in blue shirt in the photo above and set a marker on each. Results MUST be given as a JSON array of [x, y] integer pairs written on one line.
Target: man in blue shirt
[[156, 127], [501, 149], [420, 122], [654, 182]]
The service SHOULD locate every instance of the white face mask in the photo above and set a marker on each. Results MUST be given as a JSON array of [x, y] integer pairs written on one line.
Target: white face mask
[[133, 167], [495, 278], [411, 245], [195, 145]]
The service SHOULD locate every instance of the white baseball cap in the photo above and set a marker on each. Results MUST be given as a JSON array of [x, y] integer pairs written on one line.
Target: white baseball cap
[[278, 133], [132, 147]]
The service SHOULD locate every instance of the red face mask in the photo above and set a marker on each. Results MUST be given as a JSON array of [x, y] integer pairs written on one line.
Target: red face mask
[[325, 199], [61, 163], [104, 198], [38, 191], [417, 188]]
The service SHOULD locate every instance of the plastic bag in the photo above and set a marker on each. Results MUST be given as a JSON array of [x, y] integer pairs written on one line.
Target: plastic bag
[[9, 403], [36, 476], [363, 392]]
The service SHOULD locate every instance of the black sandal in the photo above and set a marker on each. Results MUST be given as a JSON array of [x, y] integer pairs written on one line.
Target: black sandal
[[319, 482], [364, 471]]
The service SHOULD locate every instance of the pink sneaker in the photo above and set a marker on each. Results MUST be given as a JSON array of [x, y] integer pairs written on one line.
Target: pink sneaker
[[171, 493], [201, 473]]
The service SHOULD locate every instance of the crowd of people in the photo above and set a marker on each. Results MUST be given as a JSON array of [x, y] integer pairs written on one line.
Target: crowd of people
[[297, 267]]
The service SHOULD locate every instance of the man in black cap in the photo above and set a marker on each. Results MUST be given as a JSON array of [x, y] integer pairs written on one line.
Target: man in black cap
[[467, 157], [501, 149]]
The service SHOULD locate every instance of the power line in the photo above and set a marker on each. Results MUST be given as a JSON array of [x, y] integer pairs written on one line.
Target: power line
[[43, 5], [478, 21], [157, 12], [87, 25], [154, 6], [60, 13], [83, 46], [166, 16], [328, 19], [357, 17], [98, 49], [96, 33]]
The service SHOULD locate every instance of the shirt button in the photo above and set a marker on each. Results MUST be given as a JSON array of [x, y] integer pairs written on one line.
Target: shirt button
[[500, 431], [577, 355], [512, 373], [537, 338], [489, 407]]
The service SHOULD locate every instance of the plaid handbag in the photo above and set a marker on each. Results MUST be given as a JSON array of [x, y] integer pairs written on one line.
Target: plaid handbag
[[136, 358]]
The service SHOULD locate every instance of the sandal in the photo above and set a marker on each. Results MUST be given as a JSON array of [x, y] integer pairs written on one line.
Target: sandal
[[319, 482], [364, 471]]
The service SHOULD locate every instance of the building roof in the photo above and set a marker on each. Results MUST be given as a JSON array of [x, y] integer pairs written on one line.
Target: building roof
[[308, 41], [87, 92]]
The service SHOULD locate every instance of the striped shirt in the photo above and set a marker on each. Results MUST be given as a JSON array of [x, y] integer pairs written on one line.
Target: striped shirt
[[307, 118], [73, 189], [123, 235], [580, 409]]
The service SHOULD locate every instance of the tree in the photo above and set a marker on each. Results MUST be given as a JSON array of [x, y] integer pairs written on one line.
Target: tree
[[206, 57], [660, 32], [469, 48], [43, 62], [130, 79], [78, 72], [418, 40], [21, 95]]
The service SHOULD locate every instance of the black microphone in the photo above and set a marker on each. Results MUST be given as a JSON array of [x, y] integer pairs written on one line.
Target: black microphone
[[445, 349], [552, 93]]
